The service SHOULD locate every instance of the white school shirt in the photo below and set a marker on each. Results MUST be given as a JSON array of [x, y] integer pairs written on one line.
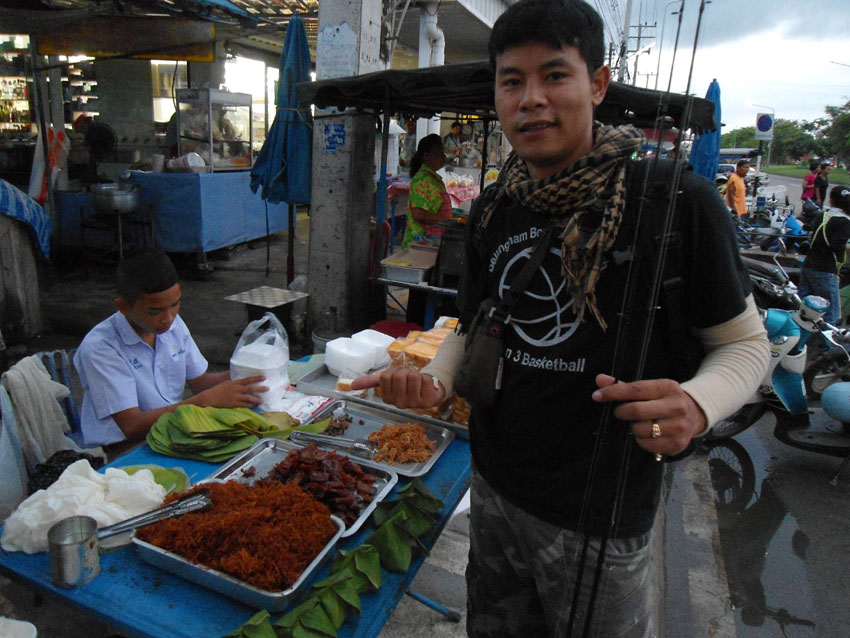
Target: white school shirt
[[119, 371]]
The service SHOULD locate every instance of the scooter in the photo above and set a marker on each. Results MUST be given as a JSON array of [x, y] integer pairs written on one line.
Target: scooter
[[782, 389]]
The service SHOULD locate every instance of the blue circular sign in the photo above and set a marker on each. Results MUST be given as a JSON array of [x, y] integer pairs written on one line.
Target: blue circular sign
[[764, 123]]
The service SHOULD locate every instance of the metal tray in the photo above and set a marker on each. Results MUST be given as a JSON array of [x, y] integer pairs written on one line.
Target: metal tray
[[320, 381], [266, 453], [420, 259], [228, 585], [365, 420]]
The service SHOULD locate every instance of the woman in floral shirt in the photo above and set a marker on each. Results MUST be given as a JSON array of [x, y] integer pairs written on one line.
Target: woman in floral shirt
[[429, 201]]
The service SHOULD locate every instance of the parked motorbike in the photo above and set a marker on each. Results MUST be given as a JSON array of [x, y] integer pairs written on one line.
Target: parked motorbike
[[811, 215], [782, 389], [775, 221]]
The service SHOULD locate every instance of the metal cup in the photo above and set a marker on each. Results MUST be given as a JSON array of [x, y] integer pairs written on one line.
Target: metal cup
[[73, 549]]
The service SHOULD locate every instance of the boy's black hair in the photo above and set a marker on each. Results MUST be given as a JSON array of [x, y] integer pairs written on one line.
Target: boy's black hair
[[741, 162], [557, 23], [145, 272], [813, 164]]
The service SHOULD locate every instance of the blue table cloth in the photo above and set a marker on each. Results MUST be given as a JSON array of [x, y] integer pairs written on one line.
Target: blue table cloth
[[138, 599], [191, 212], [17, 204]]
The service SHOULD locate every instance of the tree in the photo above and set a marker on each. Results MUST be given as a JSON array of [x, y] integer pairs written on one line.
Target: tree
[[790, 142], [836, 134], [739, 138]]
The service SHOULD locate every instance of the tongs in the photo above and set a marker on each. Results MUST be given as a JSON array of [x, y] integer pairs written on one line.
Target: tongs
[[190, 503], [362, 448]]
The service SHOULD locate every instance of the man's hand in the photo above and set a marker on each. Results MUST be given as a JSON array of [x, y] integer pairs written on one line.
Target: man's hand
[[404, 387], [657, 401], [233, 394]]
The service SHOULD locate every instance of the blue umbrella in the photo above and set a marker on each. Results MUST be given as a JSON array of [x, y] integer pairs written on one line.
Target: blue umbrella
[[707, 146], [282, 168]]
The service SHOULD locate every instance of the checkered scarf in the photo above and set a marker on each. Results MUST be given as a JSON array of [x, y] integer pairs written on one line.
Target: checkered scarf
[[597, 178]]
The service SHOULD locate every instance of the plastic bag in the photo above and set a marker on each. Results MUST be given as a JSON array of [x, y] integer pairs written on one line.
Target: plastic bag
[[263, 349]]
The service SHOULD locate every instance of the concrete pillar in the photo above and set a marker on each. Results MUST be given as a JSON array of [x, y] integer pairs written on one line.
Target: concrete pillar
[[432, 44], [342, 194]]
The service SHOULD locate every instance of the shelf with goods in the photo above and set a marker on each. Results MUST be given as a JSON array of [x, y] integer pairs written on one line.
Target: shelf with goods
[[79, 91], [15, 108]]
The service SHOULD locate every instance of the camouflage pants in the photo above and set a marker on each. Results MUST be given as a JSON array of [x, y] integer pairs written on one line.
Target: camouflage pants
[[521, 577]]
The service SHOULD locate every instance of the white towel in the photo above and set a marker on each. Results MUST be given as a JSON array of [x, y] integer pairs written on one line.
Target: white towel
[[41, 422]]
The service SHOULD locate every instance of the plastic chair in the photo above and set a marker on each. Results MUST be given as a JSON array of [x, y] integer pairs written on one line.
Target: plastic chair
[[60, 367]]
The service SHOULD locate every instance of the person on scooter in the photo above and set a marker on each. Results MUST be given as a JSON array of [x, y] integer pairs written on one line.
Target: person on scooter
[[533, 447], [819, 272]]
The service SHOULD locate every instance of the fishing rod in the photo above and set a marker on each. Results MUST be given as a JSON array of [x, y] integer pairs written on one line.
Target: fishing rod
[[624, 327]]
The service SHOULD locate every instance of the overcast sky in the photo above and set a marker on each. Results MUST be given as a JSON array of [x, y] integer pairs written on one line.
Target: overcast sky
[[776, 53]]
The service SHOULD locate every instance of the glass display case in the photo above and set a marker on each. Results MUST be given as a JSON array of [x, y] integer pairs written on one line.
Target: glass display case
[[217, 126]]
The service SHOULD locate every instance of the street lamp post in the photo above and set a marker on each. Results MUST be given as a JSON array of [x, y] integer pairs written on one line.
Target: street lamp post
[[661, 42]]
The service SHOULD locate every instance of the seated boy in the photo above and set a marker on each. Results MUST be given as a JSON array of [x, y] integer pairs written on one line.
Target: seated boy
[[134, 365]]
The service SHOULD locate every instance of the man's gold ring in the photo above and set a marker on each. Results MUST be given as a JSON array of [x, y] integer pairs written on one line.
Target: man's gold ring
[[656, 431]]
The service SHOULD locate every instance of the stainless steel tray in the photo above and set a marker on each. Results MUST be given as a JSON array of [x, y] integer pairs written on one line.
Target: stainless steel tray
[[266, 453], [366, 419], [320, 381], [228, 585]]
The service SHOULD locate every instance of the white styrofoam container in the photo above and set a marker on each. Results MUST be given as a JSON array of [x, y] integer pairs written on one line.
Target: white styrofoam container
[[263, 359], [377, 340], [10, 628], [345, 354]]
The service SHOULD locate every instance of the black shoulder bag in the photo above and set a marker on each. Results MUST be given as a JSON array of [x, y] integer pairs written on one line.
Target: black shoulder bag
[[480, 375]]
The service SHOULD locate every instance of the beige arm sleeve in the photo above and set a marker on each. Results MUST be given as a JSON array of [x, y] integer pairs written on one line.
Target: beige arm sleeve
[[737, 359], [446, 362]]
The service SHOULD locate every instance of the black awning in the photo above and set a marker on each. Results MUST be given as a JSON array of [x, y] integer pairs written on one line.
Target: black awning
[[467, 88]]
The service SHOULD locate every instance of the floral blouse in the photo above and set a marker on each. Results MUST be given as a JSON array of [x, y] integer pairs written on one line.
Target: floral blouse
[[428, 192]]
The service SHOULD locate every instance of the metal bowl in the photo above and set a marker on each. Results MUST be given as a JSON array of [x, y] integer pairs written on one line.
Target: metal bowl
[[114, 198]]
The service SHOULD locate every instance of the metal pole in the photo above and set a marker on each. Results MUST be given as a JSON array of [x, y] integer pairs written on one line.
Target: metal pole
[[637, 55], [624, 47], [661, 43], [40, 105]]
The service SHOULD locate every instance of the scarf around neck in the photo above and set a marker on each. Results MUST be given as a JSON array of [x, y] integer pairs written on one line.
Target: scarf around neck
[[595, 181]]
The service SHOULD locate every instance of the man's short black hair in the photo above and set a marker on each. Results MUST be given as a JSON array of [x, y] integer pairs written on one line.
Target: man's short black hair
[[557, 23], [742, 162], [455, 123], [145, 272]]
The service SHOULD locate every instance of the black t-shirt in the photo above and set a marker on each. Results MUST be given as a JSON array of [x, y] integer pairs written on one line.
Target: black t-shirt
[[829, 244], [534, 446], [821, 184]]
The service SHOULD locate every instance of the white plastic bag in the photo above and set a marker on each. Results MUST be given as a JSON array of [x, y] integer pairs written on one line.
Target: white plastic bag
[[263, 349]]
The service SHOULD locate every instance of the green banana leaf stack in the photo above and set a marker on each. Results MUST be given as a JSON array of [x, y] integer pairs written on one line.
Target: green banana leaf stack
[[215, 435]]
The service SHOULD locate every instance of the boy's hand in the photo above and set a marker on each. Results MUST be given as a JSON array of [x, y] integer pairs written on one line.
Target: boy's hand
[[404, 387], [655, 402], [235, 394]]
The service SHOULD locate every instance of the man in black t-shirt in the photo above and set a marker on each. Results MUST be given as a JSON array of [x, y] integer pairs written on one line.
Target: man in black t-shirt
[[534, 447], [822, 183]]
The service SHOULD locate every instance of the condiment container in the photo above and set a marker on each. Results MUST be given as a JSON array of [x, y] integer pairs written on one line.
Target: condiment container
[[73, 549]]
